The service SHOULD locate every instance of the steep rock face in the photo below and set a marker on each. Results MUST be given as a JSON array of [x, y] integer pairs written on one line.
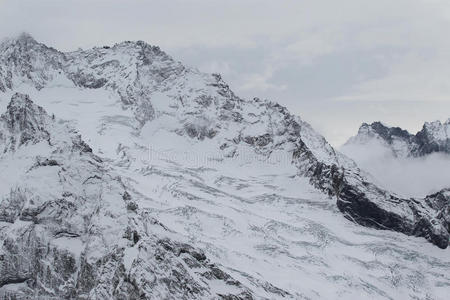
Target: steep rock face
[[70, 228], [165, 95], [370, 206], [23, 122], [364, 203], [440, 201], [434, 137]]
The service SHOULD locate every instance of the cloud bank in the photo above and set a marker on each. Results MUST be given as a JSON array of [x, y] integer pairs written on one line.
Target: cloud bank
[[410, 177]]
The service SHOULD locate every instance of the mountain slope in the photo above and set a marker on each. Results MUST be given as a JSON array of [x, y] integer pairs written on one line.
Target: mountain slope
[[234, 176], [70, 228]]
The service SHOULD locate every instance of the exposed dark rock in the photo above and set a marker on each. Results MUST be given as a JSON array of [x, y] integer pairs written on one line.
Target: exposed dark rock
[[357, 203], [204, 100], [368, 205], [199, 131], [440, 201], [26, 122], [427, 140], [388, 133], [80, 145], [260, 141], [87, 80], [45, 162], [11, 206]]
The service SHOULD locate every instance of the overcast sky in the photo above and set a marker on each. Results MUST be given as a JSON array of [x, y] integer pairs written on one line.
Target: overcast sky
[[334, 63]]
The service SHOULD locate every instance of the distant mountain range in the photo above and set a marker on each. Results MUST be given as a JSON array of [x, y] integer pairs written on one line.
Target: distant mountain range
[[433, 138]]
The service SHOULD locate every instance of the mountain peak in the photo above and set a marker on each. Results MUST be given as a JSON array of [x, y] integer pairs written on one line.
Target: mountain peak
[[434, 137], [22, 115], [20, 100], [436, 133], [375, 126], [383, 131], [24, 39], [146, 51], [433, 123]]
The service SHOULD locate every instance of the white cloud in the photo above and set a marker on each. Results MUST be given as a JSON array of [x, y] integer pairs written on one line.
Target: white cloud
[[261, 82], [308, 48], [414, 77], [409, 177]]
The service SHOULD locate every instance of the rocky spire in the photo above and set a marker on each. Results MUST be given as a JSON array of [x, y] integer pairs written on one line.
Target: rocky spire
[[24, 121], [434, 137], [23, 41], [23, 115], [25, 38]]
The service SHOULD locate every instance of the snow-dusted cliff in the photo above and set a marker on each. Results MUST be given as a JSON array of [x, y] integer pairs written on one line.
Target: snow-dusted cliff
[[246, 182]]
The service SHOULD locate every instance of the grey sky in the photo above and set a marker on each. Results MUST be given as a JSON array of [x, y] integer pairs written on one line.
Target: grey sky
[[335, 63]]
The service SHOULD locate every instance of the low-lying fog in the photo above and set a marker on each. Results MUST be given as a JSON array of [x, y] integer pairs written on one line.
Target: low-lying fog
[[411, 177]]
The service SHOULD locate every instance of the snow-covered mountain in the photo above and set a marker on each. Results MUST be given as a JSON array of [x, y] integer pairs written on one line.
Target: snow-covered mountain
[[71, 229], [433, 138], [412, 165], [173, 187]]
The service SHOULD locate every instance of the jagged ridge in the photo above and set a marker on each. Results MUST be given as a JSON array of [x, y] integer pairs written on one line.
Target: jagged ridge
[[433, 137]]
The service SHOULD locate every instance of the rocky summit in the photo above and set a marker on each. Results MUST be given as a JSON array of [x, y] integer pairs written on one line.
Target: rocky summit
[[433, 138], [126, 175]]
